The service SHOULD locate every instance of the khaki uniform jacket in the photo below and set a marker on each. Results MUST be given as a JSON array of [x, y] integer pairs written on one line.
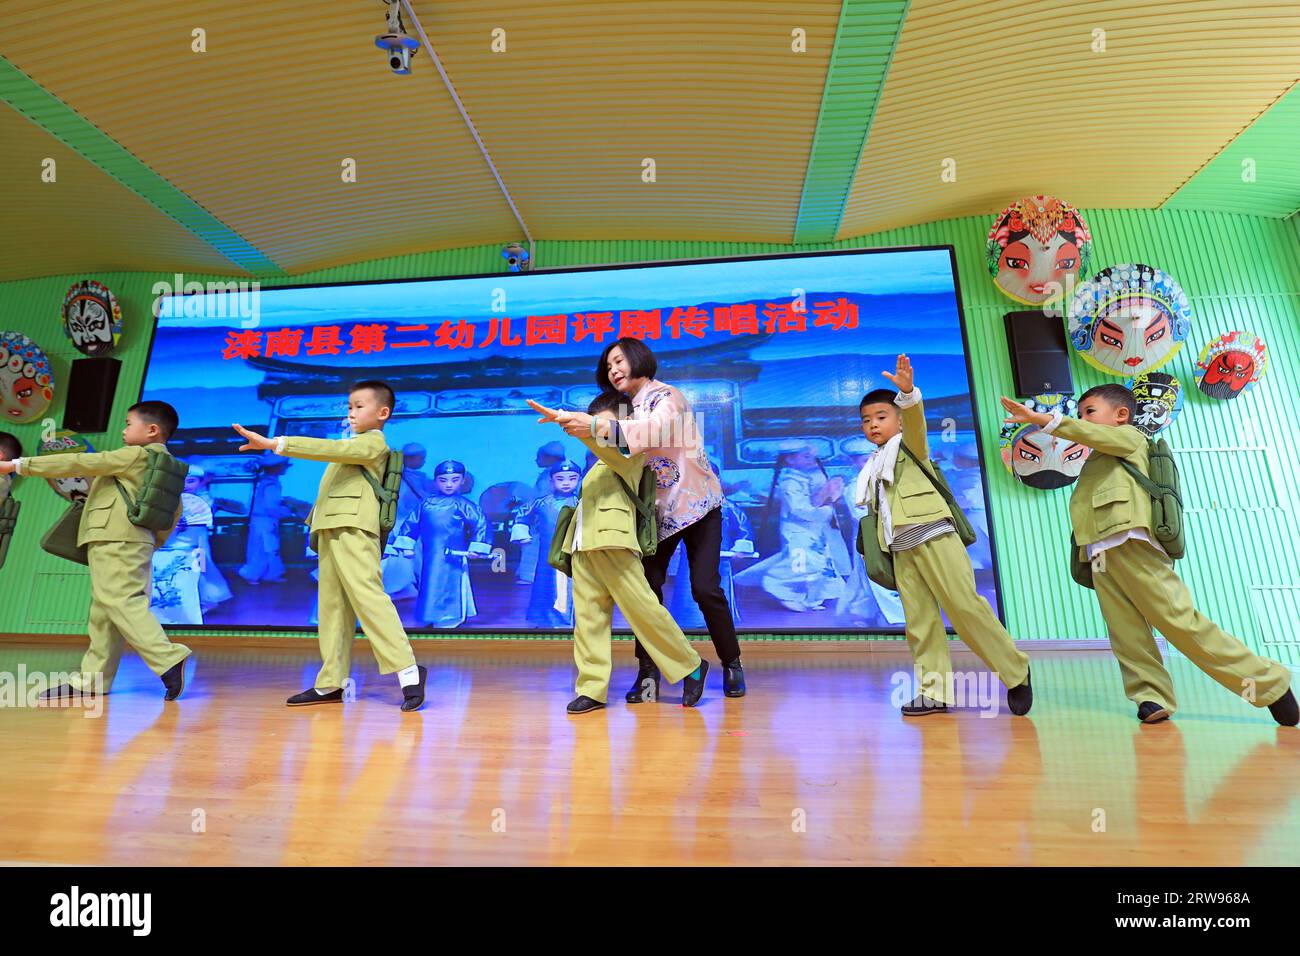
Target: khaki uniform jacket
[[345, 498], [608, 517], [1106, 498], [912, 497], [104, 517]]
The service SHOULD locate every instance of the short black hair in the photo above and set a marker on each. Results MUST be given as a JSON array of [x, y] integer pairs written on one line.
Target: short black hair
[[609, 400], [160, 414], [1112, 394], [879, 396], [641, 361], [10, 447], [383, 391]]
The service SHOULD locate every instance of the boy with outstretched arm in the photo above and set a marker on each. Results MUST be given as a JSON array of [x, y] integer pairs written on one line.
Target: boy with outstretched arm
[[607, 570], [931, 566], [1134, 577], [119, 554], [345, 534]]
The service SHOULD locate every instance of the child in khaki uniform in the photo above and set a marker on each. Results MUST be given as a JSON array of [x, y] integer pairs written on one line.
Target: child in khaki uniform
[[345, 534], [607, 570], [119, 553], [932, 568], [1135, 580]]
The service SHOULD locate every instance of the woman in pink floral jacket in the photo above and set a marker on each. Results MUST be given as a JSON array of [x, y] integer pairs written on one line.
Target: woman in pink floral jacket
[[688, 502]]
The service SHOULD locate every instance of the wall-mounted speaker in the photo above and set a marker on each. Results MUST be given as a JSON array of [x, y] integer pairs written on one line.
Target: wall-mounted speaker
[[1040, 359], [90, 394]]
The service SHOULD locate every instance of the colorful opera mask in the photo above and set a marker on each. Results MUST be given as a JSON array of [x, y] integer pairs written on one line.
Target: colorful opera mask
[[1037, 247], [92, 318], [63, 443], [1038, 459], [1231, 364], [26, 383], [1159, 398], [1129, 319]]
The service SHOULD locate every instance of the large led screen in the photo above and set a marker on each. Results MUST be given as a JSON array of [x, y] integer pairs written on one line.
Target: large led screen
[[772, 353]]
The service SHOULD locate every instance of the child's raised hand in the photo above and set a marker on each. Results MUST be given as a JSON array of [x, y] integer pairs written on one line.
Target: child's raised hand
[[902, 377], [253, 441], [1017, 412], [7, 467]]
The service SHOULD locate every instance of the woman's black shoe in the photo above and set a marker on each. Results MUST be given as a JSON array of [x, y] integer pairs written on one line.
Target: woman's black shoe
[[413, 694], [646, 688], [693, 687], [1149, 712], [584, 705], [733, 679], [1285, 710]]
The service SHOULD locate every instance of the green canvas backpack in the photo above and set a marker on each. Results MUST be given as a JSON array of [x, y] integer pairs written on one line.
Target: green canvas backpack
[[159, 498], [557, 557], [880, 562], [1165, 489], [387, 490], [647, 523], [643, 502], [8, 522], [61, 539], [965, 530]]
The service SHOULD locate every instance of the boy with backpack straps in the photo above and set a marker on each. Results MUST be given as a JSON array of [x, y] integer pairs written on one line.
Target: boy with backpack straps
[[354, 507], [1125, 542], [600, 543], [132, 507], [920, 541]]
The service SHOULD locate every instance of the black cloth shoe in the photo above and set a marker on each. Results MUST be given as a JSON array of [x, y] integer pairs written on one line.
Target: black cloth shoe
[[692, 688], [1149, 712], [309, 697], [1285, 710], [646, 687], [733, 679], [920, 706], [413, 694], [1021, 698], [174, 680], [584, 705], [63, 692]]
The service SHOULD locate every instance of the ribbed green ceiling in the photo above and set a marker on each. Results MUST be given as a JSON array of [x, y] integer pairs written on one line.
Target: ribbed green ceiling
[[66, 125], [864, 45], [843, 141]]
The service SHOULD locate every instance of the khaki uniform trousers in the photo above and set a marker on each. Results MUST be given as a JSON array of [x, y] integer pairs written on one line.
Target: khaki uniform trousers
[[609, 576]]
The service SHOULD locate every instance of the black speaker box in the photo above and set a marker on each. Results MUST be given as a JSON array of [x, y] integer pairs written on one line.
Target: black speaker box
[[90, 394], [1040, 361]]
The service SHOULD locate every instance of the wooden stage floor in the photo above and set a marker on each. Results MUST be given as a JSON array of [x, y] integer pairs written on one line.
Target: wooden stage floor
[[814, 767]]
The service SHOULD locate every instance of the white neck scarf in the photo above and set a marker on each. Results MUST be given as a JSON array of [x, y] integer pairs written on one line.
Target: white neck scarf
[[877, 473]]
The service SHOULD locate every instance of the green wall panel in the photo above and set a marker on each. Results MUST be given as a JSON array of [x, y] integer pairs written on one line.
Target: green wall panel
[[1240, 458]]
